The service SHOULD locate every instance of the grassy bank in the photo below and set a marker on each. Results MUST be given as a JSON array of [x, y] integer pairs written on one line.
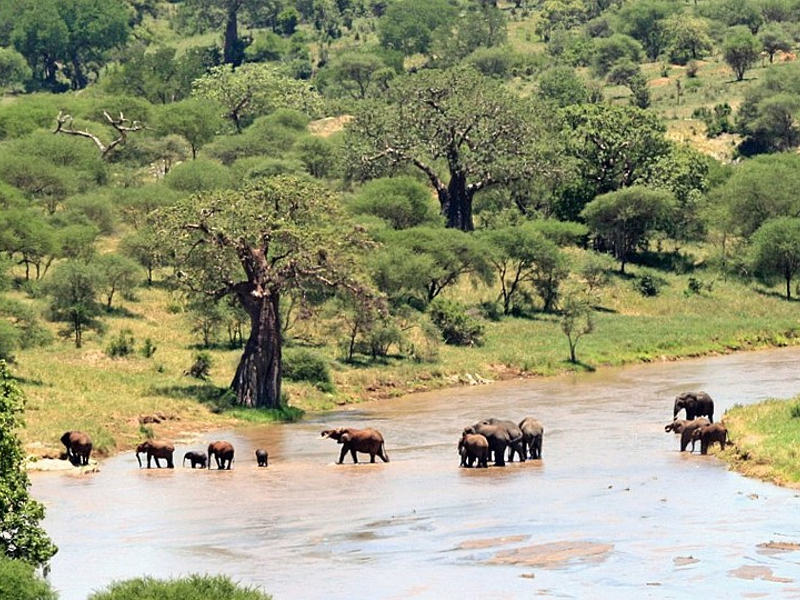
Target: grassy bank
[[766, 440], [69, 388]]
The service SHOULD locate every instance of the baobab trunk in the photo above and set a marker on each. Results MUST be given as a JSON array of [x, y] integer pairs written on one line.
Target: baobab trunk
[[231, 52], [456, 204], [257, 382]]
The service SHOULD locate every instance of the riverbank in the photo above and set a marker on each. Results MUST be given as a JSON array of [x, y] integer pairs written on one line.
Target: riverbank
[[114, 400], [766, 441]]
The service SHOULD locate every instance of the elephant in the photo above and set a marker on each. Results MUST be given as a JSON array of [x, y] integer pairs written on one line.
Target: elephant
[[222, 452], [368, 441], [686, 428], [156, 449], [695, 404], [709, 434], [500, 435], [262, 457], [472, 447], [196, 458], [79, 447], [532, 433]]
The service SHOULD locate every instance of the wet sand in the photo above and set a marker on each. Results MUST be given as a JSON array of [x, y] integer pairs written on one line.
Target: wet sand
[[612, 511]]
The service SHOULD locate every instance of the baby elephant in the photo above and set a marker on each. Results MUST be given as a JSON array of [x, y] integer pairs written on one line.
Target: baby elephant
[[368, 441], [262, 457], [196, 458], [710, 434], [472, 447], [686, 428]]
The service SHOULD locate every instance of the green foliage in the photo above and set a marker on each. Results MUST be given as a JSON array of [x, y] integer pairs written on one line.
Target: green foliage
[[775, 251], [794, 411], [740, 49], [732, 13], [647, 22], [273, 135], [122, 345], [595, 270], [304, 365], [356, 74], [198, 121], [717, 120], [480, 26], [774, 38], [318, 155], [606, 52], [576, 321], [563, 87], [402, 202], [408, 25], [14, 71], [148, 349], [689, 38], [21, 536], [194, 587], [118, 274], [144, 247], [622, 220], [73, 288], [201, 367], [201, 175], [767, 116], [457, 326], [648, 284], [19, 581]]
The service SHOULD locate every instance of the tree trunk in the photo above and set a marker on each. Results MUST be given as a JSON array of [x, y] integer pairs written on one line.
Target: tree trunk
[[79, 80], [456, 203], [257, 382], [788, 286], [232, 52]]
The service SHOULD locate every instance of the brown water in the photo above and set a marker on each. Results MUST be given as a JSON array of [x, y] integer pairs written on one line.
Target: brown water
[[612, 511]]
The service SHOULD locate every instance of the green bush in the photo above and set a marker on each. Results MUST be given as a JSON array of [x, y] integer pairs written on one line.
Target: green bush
[[201, 367], [303, 365], [648, 284], [198, 176], [18, 581], [457, 326], [794, 411], [122, 345], [194, 587], [148, 348]]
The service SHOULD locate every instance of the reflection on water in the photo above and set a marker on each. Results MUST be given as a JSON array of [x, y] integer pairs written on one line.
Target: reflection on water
[[613, 510]]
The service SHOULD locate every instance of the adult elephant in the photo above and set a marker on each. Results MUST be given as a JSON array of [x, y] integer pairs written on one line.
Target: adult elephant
[[79, 447], [532, 434], [501, 435], [156, 449], [368, 441], [222, 452], [696, 404]]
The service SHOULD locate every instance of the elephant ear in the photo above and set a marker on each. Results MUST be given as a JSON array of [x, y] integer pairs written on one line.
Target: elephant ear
[[345, 437]]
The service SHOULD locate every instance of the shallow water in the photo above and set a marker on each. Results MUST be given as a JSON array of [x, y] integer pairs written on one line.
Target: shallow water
[[612, 511]]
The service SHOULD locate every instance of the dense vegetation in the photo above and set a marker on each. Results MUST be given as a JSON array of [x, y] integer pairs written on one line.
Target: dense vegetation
[[378, 195]]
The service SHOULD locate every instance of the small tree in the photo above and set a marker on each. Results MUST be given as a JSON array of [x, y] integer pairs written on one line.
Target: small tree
[[775, 251], [198, 121], [740, 50], [622, 220], [117, 274], [13, 69], [21, 536], [774, 38], [144, 247], [73, 290], [576, 321]]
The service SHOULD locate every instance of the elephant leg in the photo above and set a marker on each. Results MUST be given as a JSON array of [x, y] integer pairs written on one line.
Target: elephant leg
[[170, 464], [353, 454], [371, 457], [703, 446], [499, 455], [342, 453], [711, 416], [149, 456]]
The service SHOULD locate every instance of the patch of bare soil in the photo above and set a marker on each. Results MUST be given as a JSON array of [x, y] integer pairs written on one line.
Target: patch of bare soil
[[553, 555], [752, 572], [681, 561], [491, 542], [329, 125]]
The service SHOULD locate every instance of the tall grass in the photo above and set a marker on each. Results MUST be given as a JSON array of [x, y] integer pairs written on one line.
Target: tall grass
[[194, 587]]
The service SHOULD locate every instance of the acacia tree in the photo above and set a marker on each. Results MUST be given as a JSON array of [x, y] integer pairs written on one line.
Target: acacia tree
[[21, 536], [273, 237], [740, 49], [483, 135], [775, 251]]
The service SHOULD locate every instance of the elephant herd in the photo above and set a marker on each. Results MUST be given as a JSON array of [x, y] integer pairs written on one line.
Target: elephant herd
[[485, 441], [696, 427]]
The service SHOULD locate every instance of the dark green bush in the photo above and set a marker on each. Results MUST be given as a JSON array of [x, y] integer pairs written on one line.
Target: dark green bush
[[648, 285], [194, 587], [457, 326], [18, 581], [303, 365], [201, 367], [122, 345]]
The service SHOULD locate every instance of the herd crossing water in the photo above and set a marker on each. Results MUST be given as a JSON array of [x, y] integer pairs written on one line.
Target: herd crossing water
[[613, 509]]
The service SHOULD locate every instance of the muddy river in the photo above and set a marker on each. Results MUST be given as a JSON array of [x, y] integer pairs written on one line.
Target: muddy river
[[612, 511]]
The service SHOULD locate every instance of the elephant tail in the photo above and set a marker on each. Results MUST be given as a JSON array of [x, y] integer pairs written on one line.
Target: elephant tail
[[384, 456]]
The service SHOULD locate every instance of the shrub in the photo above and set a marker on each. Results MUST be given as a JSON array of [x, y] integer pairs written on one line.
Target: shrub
[[457, 326], [198, 176], [648, 284], [148, 348], [692, 68], [122, 345], [794, 411], [303, 365], [18, 581], [201, 367], [194, 587]]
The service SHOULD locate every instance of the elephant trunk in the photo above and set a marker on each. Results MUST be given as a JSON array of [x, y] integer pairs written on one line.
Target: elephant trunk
[[675, 411]]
